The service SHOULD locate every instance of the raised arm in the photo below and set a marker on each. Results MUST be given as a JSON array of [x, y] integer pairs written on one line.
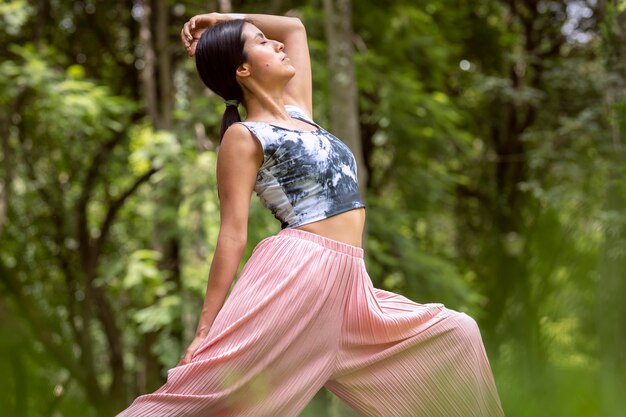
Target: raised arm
[[288, 30]]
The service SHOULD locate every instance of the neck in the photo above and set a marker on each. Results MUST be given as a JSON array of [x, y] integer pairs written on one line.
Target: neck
[[264, 105]]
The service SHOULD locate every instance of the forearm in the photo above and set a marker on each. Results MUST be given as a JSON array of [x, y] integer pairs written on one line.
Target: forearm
[[279, 28], [223, 269], [274, 27]]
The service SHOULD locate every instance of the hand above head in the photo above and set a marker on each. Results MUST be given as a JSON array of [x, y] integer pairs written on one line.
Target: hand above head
[[194, 27], [286, 30]]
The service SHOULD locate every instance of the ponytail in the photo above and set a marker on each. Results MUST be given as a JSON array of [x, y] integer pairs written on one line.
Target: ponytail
[[218, 54], [231, 116]]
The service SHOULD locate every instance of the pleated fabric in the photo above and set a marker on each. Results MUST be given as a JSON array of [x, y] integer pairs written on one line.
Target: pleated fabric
[[304, 314]]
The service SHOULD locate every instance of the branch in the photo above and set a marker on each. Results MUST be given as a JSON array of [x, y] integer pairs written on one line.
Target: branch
[[104, 310], [90, 252], [87, 189], [56, 207], [116, 205]]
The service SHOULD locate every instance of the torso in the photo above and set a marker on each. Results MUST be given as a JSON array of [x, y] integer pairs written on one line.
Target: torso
[[345, 227]]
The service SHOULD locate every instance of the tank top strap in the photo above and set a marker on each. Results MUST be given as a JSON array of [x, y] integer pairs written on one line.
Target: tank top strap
[[297, 113]]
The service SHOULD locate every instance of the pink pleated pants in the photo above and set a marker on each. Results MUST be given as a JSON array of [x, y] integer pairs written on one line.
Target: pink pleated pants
[[303, 315]]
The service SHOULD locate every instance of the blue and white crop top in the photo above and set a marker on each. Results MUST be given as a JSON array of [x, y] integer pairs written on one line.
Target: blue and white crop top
[[306, 176]]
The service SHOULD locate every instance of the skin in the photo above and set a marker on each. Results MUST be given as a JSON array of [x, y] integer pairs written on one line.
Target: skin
[[277, 73]]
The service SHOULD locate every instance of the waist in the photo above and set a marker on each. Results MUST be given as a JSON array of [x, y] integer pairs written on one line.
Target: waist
[[346, 227]]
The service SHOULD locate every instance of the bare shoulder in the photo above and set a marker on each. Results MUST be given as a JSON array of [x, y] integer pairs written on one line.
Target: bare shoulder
[[239, 142], [237, 130], [237, 135]]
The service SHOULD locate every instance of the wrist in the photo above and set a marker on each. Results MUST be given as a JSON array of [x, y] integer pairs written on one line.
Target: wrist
[[204, 324], [201, 332]]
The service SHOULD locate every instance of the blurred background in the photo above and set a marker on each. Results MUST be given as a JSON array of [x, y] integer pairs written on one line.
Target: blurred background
[[490, 138]]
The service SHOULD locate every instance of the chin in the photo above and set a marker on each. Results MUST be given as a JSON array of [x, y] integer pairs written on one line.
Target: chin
[[289, 75]]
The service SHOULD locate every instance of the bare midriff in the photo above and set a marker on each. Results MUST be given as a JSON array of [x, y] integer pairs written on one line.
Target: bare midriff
[[346, 227]]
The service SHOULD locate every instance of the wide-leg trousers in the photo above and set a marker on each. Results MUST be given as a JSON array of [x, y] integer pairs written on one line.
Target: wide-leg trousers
[[304, 314]]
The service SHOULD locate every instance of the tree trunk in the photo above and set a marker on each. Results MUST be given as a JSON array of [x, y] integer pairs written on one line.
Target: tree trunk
[[157, 77], [512, 306], [148, 61], [225, 6], [344, 109], [164, 60]]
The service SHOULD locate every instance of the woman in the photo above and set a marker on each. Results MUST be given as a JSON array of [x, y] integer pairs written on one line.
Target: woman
[[303, 313]]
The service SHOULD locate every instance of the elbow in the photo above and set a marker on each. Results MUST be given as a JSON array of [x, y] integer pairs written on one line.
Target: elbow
[[297, 24], [236, 239]]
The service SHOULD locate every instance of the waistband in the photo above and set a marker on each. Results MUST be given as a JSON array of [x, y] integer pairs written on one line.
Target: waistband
[[331, 244]]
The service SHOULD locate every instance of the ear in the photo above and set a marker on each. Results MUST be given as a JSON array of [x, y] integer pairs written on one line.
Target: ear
[[243, 70]]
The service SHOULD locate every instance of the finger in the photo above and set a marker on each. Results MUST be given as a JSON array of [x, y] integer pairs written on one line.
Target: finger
[[191, 50], [184, 360], [183, 38], [186, 31]]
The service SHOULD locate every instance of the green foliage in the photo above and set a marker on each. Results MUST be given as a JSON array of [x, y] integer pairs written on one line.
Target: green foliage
[[494, 148], [14, 15]]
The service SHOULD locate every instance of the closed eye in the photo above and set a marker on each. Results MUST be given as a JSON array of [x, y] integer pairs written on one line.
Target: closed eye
[[261, 37]]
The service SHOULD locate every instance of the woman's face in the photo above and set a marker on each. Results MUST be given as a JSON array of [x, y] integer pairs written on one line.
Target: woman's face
[[265, 58]]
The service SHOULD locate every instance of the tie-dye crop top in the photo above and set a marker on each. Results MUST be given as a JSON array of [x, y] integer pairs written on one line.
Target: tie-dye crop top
[[305, 176]]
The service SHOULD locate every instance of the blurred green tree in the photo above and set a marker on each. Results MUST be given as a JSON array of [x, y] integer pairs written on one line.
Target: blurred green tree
[[491, 134]]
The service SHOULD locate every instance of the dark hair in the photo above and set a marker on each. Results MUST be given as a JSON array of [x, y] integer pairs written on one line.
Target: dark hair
[[218, 54]]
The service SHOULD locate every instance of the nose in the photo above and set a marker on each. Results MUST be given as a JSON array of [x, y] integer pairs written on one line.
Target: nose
[[279, 46]]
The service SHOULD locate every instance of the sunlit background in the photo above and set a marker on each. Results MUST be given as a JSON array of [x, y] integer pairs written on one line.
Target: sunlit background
[[490, 140]]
